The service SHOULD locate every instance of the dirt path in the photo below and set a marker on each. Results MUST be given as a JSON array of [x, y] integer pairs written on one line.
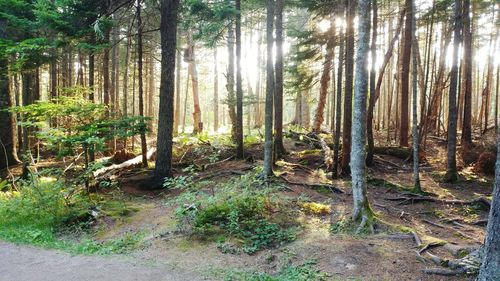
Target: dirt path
[[25, 263]]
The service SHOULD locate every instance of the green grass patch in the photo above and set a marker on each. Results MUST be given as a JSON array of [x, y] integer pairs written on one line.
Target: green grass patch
[[240, 211], [304, 272], [42, 213]]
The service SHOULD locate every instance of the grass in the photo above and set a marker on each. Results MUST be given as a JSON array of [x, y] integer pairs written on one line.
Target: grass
[[242, 215], [304, 272], [41, 213]]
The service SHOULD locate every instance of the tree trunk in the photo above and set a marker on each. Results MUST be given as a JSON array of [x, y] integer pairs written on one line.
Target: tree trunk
[[325, 79], [193, 72], [239, 85], [151, 91], [216, 92], [405, 78], [279, 148], [467, 79], [105, 75], [144, 149], [8, 155], [257, 107], [231, 99], [338, 110], [415, 144], [168, 33], [177, 108], [349, 73], [373, 73], [489, 269], [362, 211], [451, 168], [268, 130]]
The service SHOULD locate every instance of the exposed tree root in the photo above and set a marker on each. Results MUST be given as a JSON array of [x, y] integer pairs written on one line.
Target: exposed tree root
[[224, 173], [414, 198]]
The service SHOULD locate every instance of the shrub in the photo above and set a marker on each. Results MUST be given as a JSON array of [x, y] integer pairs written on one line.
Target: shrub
[[237, 211]]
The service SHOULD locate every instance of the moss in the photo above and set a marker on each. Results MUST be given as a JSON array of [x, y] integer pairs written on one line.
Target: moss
[[314, 208], [386, 184]]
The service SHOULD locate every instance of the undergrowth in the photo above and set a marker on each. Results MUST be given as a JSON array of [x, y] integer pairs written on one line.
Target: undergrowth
[[303, 272], [41, 210], [239, 211]]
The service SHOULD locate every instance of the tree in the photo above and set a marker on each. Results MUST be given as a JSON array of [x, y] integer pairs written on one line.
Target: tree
[[373, 88], [141, 82], [405, 77], [349, 77], [268, 121], [467, 79], [362, 211], [489, 269], [239, 86], [279, 148], [168, 33], [338, 110], [451, 167], [325, 78], [7, 142], [416, 142]]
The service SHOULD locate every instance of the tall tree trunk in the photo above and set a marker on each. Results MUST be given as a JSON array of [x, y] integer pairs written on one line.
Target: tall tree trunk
[[325, 79], [8, 155], [193, 73], [177, 108], [168, 33], [373, 72], [279, 148], [239, 85], [467, 79], [105, 74], [451, 167], [116, 66], [405, 78], [268, 130], [415, 141], [338, 110], [139, 77], [216, 92], [151, 90], [362, 211], [349, 77], [258, 82], [231, 99], [489, 269]]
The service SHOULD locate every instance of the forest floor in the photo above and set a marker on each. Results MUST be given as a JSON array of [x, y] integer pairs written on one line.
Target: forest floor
[[387, 255]]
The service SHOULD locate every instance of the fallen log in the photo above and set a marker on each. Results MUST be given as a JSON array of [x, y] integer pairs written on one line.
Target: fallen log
[[134, 162]]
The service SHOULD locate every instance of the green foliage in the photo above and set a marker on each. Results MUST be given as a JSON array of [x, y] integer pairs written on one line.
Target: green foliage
[[178, 182], [304, 272], [237, 211], [81, 123], [40, 210]]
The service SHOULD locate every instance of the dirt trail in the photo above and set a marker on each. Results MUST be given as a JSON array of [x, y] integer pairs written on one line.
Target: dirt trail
[[25, 263]]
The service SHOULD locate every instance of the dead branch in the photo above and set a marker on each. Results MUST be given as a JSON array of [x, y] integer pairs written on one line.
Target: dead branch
[[127, 164], [419, 198]]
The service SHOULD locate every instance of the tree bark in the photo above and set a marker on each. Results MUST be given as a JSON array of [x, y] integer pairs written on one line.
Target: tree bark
[[239, 85], [231, 99], [405, 78], [373, 73], [362, 211], [279, 148], [338, 110], [489, 269], [177, 108], [467, 79], [451, 167], [349, 73], [168, 33], [144, 149], [415, 142], [268, 130], [216, 92], [325, 79], [8, 155]]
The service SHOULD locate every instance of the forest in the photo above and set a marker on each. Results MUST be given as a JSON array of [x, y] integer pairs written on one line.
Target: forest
[[249, 140]]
